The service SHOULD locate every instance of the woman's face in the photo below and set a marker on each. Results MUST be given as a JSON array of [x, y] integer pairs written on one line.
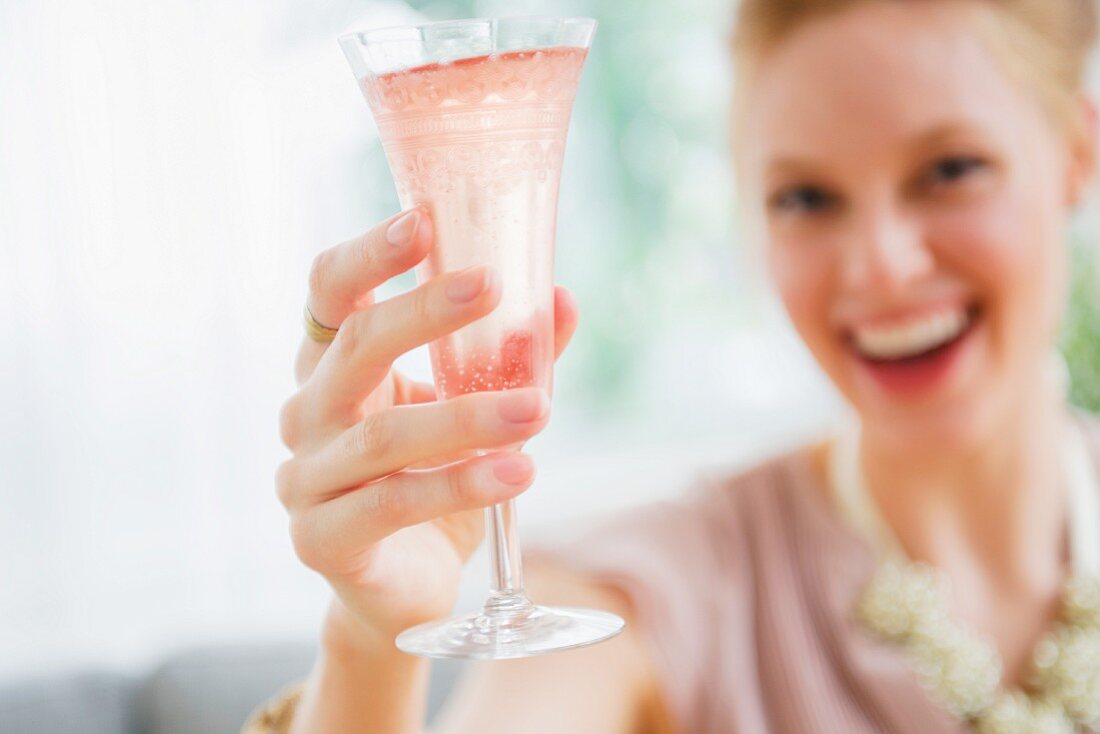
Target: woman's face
[[914, 195]]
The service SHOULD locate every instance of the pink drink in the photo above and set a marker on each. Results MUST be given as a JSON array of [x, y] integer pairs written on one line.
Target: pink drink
[[479, 142]]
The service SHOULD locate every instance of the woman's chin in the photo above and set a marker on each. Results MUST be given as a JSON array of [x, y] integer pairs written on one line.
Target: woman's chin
[[928, 432]]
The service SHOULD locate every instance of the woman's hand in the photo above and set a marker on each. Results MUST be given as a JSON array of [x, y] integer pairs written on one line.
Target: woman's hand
[[384, 493]]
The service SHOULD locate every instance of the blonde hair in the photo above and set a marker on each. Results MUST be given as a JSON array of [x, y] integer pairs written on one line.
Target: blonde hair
[[1047, 41]]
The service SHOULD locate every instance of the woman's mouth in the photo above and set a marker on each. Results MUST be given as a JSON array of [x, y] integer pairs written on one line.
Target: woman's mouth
[[916, 353]]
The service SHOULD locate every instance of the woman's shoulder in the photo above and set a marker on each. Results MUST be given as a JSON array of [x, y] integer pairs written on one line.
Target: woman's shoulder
[[775, 479], [691, 523], [680, 567]]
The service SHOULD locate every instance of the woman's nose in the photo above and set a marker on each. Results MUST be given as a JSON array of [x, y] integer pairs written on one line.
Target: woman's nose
[[885, 252]]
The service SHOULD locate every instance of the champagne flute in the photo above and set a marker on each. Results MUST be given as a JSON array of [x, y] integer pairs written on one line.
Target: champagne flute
[[473, 116]]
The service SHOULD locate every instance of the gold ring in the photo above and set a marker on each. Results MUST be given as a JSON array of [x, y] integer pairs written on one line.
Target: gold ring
[[317, 331]]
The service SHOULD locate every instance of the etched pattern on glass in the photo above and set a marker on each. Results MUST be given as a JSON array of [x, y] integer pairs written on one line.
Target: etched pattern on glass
[[487, 122]]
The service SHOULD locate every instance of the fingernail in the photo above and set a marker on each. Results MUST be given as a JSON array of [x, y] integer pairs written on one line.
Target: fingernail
[[469, 284], [402, 229], [516, 469], [523, 406]]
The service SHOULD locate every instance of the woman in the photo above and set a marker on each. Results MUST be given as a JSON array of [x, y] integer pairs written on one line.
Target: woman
[[913, 167]]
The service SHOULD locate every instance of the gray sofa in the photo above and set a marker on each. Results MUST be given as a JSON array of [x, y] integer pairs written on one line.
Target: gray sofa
[[203, 691]]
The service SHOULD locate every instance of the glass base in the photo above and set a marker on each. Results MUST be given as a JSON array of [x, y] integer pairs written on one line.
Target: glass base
[[510, 626]]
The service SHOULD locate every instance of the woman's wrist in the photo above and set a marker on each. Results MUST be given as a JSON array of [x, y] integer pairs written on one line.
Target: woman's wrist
[[361, 676], [349, 639]]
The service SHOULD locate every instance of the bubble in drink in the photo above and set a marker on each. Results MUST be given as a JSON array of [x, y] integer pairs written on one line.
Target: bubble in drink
[[514, 362]]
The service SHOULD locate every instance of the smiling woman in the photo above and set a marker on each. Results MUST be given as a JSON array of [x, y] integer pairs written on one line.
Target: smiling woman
[[914, 251], [912, 169]]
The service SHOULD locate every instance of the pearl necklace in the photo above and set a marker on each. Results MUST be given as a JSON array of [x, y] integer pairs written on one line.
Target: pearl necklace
[[907, 603]]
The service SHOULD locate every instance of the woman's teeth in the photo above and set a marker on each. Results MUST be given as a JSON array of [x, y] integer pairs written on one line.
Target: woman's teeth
[[912, 337]]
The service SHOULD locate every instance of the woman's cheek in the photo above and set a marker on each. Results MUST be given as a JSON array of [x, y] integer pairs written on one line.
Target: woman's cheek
[[1009, 249], [985, 241], [803, 275]]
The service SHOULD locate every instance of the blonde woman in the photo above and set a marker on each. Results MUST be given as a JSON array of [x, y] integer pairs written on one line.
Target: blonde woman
[[912, 167]]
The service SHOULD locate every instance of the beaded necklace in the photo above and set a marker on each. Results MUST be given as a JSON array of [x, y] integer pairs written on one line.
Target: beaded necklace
[[906, 603]]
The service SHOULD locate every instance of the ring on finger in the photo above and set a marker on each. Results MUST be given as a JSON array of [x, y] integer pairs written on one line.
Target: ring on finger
[[316, 330]]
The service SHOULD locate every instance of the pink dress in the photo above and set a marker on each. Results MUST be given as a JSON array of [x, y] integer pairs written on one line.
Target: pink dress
[[744, 587]]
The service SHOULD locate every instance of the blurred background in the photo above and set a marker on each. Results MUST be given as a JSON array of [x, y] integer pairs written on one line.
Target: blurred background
[[168, 170]]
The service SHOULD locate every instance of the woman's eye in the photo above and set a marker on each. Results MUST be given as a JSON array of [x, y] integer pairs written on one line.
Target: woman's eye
[[953, 169], [801, 199]]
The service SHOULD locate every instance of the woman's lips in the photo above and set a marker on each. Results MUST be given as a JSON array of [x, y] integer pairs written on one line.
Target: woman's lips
[[916, 356]]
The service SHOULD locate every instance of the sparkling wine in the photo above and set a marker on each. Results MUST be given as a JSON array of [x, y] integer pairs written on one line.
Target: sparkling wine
[[479, 142]]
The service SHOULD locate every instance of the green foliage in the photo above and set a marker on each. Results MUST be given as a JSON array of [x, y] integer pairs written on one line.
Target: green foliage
[[1081, 333]]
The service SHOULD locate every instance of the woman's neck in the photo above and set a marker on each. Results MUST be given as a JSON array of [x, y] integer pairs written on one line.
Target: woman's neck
[[993, 512]]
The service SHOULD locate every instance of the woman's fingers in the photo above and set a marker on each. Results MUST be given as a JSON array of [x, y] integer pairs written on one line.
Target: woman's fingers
[[331, 537], [343, 278], [333, 398], [370, 340], [391, 440], [565, 319]]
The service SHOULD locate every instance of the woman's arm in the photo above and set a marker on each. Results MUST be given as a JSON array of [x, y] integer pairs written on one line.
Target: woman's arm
[[361, 682]]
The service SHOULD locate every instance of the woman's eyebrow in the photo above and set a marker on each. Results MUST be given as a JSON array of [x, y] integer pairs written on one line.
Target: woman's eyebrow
[[942, 132], [792, 166], [930, 136]]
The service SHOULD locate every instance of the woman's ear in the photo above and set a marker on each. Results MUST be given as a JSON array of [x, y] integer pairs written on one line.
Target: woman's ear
[[1083, 150]]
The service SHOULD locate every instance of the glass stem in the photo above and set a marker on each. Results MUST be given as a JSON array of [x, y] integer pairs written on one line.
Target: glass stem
[[506, 595]]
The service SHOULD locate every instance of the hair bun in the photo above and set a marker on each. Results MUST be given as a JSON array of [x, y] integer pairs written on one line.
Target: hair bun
[[1054, 36]]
